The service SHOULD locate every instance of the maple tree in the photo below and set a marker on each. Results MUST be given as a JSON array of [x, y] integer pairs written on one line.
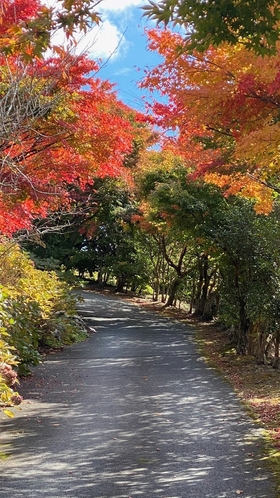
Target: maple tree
[[223, 110], [255, 23], [27, 26], [60, 126]]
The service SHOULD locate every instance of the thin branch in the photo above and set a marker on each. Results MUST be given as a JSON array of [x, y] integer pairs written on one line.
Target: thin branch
[[264, 183]]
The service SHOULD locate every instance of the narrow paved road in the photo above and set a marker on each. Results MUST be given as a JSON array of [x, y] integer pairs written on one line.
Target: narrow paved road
[[132, 412]]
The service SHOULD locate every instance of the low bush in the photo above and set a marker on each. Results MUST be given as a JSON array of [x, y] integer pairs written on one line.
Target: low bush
[[37, 311], [8, 376]]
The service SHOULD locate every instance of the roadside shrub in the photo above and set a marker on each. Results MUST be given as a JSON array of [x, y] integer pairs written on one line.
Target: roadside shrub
[[36, 309], [8, 376]]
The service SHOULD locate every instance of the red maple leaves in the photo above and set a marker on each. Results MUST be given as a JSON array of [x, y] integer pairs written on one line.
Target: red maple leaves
[[60, 125]]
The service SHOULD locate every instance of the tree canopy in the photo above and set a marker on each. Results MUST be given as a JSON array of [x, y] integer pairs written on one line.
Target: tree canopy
[[26, 26], [166, 218], [60, 123], [254, 23], [223, 109]]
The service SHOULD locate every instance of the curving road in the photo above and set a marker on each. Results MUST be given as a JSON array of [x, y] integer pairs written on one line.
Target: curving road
[[132, 412]]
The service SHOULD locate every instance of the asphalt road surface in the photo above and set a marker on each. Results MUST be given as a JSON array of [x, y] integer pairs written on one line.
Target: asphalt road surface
[[132, 412]]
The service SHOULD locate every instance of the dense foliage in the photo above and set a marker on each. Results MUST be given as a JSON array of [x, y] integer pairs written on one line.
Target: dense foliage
[[60, 123], [193, 221], [183, 242], [37, 312], [253, 22], [223, 109]]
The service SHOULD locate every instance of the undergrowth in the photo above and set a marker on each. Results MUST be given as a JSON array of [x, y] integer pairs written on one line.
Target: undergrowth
[[37, 313]]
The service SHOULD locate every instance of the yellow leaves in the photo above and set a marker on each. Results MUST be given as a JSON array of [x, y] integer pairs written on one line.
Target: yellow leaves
[[244, 186], [14, 30], [217, 179], [164, 160], [6, 355], [9, 413], [264, 206], [261, 147]]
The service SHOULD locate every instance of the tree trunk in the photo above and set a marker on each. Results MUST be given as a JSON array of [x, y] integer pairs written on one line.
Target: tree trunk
[[275, 363], [210, 307], [261, 348], [173, 291], [243, 328], [163, 293], [253, 337], [99, 278], [156, 288], [192, 300], [203, 306], [120, 283]]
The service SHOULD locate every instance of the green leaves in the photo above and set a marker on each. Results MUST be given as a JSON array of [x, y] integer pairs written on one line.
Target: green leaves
[[253, 22], [33, 307]]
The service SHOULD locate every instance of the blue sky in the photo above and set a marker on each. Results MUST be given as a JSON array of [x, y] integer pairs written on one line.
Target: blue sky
[[122, 21], [120, 44]]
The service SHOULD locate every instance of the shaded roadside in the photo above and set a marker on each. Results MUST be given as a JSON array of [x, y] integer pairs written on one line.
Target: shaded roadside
[[256, 385]]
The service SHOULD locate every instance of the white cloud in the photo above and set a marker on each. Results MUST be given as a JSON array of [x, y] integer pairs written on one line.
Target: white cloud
[[106, 5], [104, 41], [118, 5], [101, 42], [123, 71]]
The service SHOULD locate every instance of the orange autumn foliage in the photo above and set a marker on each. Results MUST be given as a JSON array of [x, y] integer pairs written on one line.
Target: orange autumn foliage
[[90, 137], [223, 107], [60, 124], [66, 126]]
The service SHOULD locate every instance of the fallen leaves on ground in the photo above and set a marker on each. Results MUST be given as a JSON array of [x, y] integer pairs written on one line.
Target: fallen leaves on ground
[[257, 385]]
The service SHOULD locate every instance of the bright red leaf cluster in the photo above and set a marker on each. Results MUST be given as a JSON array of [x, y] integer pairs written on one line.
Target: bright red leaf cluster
[[60, 125]]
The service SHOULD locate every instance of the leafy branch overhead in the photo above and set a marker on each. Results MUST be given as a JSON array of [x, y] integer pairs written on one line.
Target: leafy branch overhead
[[26, 27], [254, 22], [223, 108]]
